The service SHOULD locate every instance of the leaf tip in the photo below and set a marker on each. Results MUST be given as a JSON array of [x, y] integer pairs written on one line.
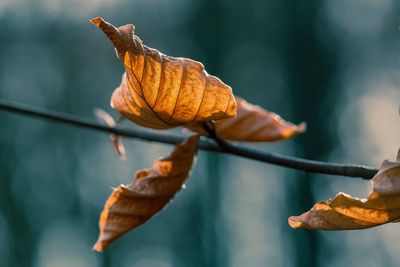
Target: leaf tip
[[293, 130], [103, 116], [96, 21], [98, 247], [302, 127], [113, 34], [295, 222]]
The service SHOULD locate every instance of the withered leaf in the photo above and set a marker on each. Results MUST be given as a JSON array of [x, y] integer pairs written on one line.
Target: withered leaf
[[345, 212], [159, 91], [252, 124], [116, 140], [132, 205]]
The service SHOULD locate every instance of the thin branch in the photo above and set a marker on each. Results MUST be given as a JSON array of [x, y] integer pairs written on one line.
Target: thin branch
[[306, 165]]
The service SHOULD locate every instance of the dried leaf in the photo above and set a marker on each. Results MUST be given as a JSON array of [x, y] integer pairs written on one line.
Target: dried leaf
[[132, 205], [116, 140], [345, 212], [159, 91], [252, 124]]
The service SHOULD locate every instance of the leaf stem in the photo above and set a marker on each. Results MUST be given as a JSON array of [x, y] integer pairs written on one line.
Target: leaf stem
[[209, 128], [349, 170]]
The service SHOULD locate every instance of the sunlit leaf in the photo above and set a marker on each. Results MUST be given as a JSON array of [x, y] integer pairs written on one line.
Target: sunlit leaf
[[347, 212], [132, 205], [159, 91], [252, 124]]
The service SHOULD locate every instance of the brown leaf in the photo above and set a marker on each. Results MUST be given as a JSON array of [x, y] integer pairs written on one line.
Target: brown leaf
[[252, 124], [345, 212], [159, 91], [132, 205], [116, 140]]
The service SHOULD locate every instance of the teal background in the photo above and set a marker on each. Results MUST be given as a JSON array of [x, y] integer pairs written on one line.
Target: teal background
[[332, 63]]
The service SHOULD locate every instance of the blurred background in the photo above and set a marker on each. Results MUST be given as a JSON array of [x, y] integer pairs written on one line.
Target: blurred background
[[332, 63]]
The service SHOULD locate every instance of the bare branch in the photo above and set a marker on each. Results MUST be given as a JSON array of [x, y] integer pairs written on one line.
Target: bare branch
[[349, 170]]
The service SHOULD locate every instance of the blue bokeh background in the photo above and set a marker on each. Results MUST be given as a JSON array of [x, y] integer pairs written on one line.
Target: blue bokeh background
[[332, 63]]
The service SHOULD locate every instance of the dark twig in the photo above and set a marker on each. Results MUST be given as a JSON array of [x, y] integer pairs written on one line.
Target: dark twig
[[221, 146], [209, 128]]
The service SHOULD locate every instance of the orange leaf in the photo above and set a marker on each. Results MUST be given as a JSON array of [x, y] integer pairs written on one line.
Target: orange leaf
[[159, 91], [252, 124], [132, 205], [345, 212]]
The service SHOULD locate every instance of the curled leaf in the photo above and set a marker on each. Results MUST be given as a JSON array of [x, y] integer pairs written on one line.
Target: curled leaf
[[116, 140], [159, 91], [345, 212], [252, 124], [132, 205]]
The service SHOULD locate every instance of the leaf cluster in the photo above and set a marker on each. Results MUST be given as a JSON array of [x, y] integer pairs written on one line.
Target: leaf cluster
[[161, 92]]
